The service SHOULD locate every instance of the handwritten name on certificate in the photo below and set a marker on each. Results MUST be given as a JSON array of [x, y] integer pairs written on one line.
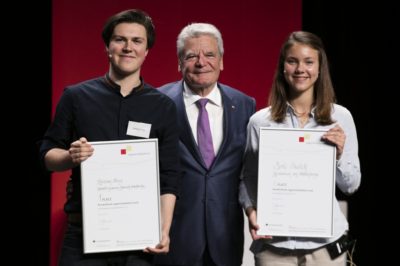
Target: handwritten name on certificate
[[120, 196], [296, 183]]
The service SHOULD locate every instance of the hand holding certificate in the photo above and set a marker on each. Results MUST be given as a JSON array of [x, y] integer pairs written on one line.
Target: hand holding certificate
[[120, 196], [296, 183]]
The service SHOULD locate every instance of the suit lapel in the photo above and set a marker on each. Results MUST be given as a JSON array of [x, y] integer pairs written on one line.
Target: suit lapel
[[229, 108], [186, 135]]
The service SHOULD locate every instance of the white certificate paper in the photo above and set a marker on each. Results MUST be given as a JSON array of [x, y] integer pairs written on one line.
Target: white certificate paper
[[296, 183], [120, 196]]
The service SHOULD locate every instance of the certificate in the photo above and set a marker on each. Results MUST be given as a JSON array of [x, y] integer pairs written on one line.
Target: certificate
[[120, 196], [296, 183]]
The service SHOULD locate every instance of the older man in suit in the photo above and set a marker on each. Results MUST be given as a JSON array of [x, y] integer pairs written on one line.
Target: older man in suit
[[207, 227]]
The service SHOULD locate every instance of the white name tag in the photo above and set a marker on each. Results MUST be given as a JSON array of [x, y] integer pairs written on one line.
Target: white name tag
[[138, 129]]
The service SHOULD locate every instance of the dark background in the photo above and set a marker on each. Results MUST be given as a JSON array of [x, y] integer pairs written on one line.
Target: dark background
[[345, 31], [341, 27]]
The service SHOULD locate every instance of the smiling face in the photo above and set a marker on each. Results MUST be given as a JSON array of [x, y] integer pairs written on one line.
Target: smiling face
[[127, 49], [301, 68], [201, 63]]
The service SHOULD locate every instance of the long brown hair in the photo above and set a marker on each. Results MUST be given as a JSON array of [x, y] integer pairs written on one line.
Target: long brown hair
[[324, 94]]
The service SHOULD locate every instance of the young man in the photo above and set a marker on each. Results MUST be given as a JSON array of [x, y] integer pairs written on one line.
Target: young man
[[100, 110]]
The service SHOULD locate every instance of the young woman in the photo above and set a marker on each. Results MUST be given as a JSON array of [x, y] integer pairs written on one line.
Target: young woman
[[302, 96]]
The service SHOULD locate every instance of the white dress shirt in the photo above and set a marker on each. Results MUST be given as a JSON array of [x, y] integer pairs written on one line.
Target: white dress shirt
[[214, 109]]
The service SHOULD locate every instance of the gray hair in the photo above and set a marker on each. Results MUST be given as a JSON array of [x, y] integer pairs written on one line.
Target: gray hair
[[198, 29]]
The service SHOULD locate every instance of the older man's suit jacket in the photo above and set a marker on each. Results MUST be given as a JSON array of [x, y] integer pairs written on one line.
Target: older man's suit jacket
[[207, 211]]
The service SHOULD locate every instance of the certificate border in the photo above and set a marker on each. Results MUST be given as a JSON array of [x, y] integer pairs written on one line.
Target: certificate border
[[84, 223], [333, 185]]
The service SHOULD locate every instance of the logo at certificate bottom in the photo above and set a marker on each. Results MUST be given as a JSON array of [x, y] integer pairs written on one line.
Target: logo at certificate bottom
[[304, 138], [127, 150]]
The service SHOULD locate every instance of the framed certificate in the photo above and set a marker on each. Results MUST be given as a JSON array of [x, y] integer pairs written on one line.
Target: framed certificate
[[121, 196], [296, 183]]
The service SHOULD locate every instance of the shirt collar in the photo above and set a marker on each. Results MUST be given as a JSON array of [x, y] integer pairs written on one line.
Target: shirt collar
[[190, 97], [117, 88], [290, 109]]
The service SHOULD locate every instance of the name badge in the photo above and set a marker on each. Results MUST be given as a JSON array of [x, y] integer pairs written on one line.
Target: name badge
[[138, 129]]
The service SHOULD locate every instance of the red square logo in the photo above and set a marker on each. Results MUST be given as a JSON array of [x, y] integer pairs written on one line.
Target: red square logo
[[123, 151], [301, 139]]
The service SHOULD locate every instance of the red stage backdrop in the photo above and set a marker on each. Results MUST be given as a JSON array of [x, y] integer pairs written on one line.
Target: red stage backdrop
[[252, 30]]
